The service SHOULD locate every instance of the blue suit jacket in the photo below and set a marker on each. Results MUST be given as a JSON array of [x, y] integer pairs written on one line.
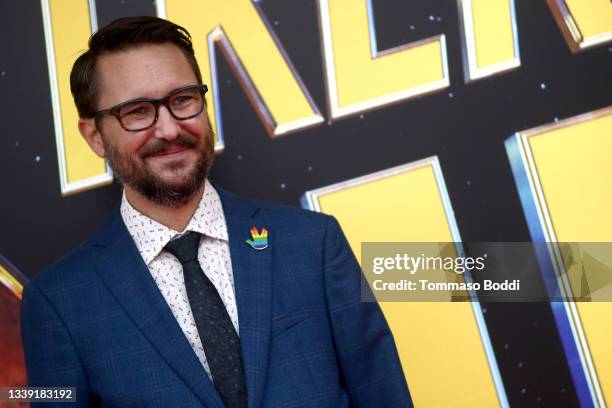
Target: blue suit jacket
[[96, 321]]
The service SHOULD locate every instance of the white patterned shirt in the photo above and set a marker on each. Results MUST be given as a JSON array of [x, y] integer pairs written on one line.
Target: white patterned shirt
[[213, 254]]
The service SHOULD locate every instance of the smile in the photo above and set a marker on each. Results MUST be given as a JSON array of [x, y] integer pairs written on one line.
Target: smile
[[171, 151]]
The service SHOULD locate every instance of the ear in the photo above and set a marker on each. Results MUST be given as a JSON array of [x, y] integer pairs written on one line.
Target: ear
[[92, 136]]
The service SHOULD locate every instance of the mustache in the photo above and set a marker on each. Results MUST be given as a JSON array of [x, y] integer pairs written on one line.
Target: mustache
[[159, 145]]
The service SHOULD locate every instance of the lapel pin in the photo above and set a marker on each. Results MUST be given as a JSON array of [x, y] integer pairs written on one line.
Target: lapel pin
[[259, 241]]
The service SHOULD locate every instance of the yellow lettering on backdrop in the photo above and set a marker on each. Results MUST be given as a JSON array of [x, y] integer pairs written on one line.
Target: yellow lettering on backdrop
[[567, 188], [421, 329], [583, 23], [489, 37], [358, 76], [9, 281], [255, 56], [68, 25]]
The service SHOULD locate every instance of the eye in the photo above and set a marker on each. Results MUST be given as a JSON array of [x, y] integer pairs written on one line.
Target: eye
[[141, 109], [182, 99], [138, 110]]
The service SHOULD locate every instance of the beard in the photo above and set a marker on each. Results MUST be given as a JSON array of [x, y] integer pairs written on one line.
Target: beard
[[135, 172]]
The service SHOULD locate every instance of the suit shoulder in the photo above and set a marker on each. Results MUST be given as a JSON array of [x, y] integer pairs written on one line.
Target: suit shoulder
[[76, 267], [295, 213], [277, 213], [73, 268]]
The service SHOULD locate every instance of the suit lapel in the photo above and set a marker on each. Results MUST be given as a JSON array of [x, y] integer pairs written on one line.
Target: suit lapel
[[252, 271], [127, 277]]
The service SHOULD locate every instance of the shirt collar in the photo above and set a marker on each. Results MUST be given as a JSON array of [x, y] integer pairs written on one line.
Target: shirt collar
[[151, 237]]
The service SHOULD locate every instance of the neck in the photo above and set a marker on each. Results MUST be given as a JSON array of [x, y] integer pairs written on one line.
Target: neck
[[176, 218]]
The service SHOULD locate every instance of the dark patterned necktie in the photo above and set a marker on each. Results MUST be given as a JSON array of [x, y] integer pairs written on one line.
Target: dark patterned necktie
[[217, 333]]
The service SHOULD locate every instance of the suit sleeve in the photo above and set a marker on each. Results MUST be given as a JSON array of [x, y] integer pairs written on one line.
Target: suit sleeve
[[51, 357], [369, 364]]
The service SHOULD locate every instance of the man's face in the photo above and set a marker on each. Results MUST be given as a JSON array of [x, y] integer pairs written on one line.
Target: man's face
[[168, 162]]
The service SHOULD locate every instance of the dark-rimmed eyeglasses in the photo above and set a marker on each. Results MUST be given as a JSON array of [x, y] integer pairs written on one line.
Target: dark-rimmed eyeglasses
[[140, 114]]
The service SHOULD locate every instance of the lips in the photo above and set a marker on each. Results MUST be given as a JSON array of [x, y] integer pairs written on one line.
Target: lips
[[170, 150]]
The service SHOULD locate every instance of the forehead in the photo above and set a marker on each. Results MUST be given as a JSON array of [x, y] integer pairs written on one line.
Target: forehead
[[149, 71]]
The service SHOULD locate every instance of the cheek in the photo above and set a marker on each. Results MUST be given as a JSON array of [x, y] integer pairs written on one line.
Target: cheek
[[126, 143], [197, 128], [137, 141]]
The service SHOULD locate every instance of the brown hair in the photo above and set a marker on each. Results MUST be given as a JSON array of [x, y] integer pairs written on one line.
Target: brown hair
[[119, 35]]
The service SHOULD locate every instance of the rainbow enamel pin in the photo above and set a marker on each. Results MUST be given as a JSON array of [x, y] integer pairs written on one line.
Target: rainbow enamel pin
[[259, 241]]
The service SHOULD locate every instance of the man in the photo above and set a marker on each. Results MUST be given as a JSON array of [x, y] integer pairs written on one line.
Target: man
[[189, 295]]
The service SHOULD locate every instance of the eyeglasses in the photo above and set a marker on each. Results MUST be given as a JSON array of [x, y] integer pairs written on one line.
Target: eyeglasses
[[140, 114]]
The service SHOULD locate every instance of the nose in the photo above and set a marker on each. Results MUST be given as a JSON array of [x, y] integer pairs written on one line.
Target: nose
[[166, 126]]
